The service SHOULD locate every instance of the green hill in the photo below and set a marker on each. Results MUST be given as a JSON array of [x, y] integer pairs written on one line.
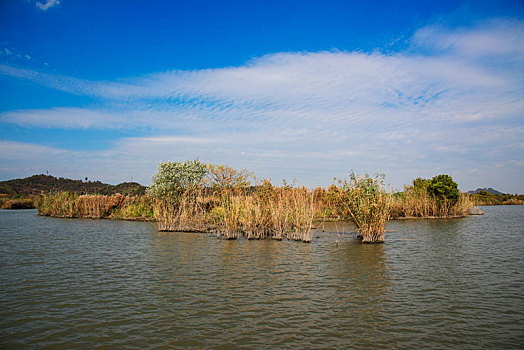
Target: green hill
[[38, 184], [485, 189]]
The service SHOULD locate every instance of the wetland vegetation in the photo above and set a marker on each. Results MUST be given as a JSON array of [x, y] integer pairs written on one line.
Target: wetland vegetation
[[193, 196], [487, 198]]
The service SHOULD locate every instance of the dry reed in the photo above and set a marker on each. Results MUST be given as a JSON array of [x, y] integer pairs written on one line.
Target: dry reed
[[269, 212], [367, 204], [417, 203], [234, 210], [184, 214], [71, 205]]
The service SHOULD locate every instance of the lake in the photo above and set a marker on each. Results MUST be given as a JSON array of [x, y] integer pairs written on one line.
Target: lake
[[73, 283]]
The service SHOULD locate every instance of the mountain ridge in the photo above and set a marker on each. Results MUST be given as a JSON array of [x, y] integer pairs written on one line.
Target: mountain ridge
[[487, 189], [37, 184]]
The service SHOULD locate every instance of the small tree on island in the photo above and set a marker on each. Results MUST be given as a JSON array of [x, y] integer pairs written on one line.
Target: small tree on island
[[436, 197], [225, 177], [175, 188], [444, 189]]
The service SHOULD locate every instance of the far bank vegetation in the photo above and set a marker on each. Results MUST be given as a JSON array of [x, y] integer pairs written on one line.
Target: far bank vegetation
[[192, 196], [487, 198]]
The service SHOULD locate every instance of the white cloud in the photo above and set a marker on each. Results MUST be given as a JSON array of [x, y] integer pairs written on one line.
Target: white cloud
[[18, 150], [311, 164], [47, 5], [490, 38], [451, 103]]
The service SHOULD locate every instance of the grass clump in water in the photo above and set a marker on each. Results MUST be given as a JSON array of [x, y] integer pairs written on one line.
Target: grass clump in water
[[367, 204], [262, 211]]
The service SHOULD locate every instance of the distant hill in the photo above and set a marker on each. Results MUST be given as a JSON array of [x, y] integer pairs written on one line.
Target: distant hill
[[487, 189], [37, 184]]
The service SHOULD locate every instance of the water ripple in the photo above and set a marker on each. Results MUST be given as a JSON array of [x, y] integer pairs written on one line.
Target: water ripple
[[97, 283]]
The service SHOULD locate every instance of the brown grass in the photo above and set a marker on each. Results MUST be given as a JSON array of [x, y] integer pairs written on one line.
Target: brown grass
[[185, 214], [71, 205], [419, 204], [367, 204], [269, 212], [264, 211]]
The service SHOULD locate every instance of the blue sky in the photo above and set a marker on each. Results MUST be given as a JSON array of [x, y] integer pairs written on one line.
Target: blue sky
[[288, 89]]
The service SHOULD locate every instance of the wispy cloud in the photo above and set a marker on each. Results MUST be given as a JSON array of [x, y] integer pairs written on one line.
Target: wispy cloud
[[454, 98], [499, 37], [47, 5]]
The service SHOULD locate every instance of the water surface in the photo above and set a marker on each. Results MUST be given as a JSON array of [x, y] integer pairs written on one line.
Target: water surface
[[98, 283]]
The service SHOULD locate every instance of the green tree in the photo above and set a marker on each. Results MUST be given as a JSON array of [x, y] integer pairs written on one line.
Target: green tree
[[173, 179], [444, 188], [421, 184]]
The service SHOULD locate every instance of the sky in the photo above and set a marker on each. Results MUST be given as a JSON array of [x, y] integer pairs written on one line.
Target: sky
[[305, 90]]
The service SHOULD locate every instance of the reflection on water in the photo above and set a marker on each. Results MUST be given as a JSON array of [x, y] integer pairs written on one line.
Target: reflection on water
[[437, 283]]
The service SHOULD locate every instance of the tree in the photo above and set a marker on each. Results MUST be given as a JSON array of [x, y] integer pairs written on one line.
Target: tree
[[177, 188], [421, 184], [173, 179], [223, 176], [444, 188]]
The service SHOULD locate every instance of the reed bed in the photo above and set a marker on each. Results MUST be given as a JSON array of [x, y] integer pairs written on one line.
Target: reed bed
[[16, 203], [270, 212], [134, 208], [72, 205], [487, 198], [419, 204], [182, 198], [367, 204], [185, 214]]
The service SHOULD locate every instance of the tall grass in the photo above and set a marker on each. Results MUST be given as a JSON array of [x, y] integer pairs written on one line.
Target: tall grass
[[367, 204], [134, 208], [59, 204], [417, 203], [72, 205], [187, 213], [329, 204], [269, 212], [231, 208]]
